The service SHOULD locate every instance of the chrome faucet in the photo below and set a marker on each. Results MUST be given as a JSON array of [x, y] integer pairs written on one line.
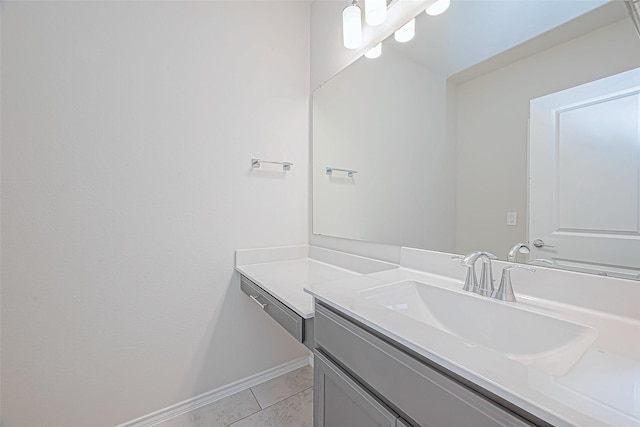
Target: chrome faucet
[[485, 286], [505, 290], [517, 248]]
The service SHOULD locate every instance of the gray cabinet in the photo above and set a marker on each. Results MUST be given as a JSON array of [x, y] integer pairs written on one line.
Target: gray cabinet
[[299, 327], [409, 386], [339, 401]]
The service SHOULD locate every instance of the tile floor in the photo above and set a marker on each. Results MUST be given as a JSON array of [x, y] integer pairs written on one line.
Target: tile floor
[[285, 401]]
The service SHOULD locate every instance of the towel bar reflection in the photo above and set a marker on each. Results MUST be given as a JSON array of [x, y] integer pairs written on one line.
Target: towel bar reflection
[[349, 172], [256, 163]]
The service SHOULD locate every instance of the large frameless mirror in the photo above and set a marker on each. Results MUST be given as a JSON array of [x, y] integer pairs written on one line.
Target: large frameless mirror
[[432, 145]]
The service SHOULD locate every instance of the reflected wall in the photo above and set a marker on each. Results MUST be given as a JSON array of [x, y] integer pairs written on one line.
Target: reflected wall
[[387, 120]]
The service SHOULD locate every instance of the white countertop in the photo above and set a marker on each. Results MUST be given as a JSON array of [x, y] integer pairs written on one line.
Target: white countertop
[[601, 388], [284, 272], [286, 280]]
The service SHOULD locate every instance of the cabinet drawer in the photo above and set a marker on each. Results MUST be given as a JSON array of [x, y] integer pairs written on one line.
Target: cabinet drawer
[[414, 389], [282, 314]]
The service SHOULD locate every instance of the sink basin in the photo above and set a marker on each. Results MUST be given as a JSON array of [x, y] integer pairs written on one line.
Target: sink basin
[[541, 341]]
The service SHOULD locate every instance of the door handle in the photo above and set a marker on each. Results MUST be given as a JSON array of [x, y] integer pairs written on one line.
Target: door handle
[[539, 243]]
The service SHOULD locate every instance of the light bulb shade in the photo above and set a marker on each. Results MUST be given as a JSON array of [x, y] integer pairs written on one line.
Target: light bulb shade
[[406, 32], [352, 26], [375, 11], [374, 52], [438, 7]]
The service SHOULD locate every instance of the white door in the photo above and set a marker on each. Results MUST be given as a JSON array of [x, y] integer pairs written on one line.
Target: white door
[[584, 176]]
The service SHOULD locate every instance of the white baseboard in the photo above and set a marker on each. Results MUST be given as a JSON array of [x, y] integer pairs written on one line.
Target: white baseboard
[[217, 394], [311, 359]]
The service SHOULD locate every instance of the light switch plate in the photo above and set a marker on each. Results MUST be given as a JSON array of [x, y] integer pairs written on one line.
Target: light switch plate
[[512, 218]]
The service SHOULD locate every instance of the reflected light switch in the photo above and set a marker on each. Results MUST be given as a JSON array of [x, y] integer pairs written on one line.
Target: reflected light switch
[[512, 218]]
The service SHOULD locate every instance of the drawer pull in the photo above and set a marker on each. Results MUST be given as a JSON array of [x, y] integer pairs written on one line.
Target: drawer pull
[[255, 299]]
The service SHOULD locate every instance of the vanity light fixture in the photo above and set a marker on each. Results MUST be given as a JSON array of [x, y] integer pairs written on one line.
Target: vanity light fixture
[[352, 26], [374, 52], [438, 7], [406, 32], [375, 11]]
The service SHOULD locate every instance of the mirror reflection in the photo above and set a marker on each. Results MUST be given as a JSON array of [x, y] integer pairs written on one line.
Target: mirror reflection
[[444, 130]]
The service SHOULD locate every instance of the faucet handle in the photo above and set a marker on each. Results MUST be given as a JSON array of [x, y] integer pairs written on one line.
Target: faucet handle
[[505, 290], [471, 281], [542, 261]]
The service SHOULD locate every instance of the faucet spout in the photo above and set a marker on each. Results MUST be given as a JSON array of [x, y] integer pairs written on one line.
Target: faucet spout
[[471, 258], [485, 286], [517, 248]]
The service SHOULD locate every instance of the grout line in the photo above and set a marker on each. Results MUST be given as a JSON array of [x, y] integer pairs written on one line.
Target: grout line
[[267, 407], [254, 396], [282, 400], [249, 415], [287, 398]]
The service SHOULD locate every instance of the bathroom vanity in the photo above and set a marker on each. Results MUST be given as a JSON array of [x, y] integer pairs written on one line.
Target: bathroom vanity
[[363, 379], [405, 345]]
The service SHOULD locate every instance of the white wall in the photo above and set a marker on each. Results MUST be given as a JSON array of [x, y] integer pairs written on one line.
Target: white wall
[[492, 131], [127, 133], [0, 214], [385, 118]]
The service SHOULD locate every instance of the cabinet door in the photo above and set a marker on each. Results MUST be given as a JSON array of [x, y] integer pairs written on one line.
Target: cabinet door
[[339, 401]]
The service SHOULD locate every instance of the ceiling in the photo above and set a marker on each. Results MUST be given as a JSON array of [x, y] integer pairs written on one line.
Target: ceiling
[[472, 31]]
